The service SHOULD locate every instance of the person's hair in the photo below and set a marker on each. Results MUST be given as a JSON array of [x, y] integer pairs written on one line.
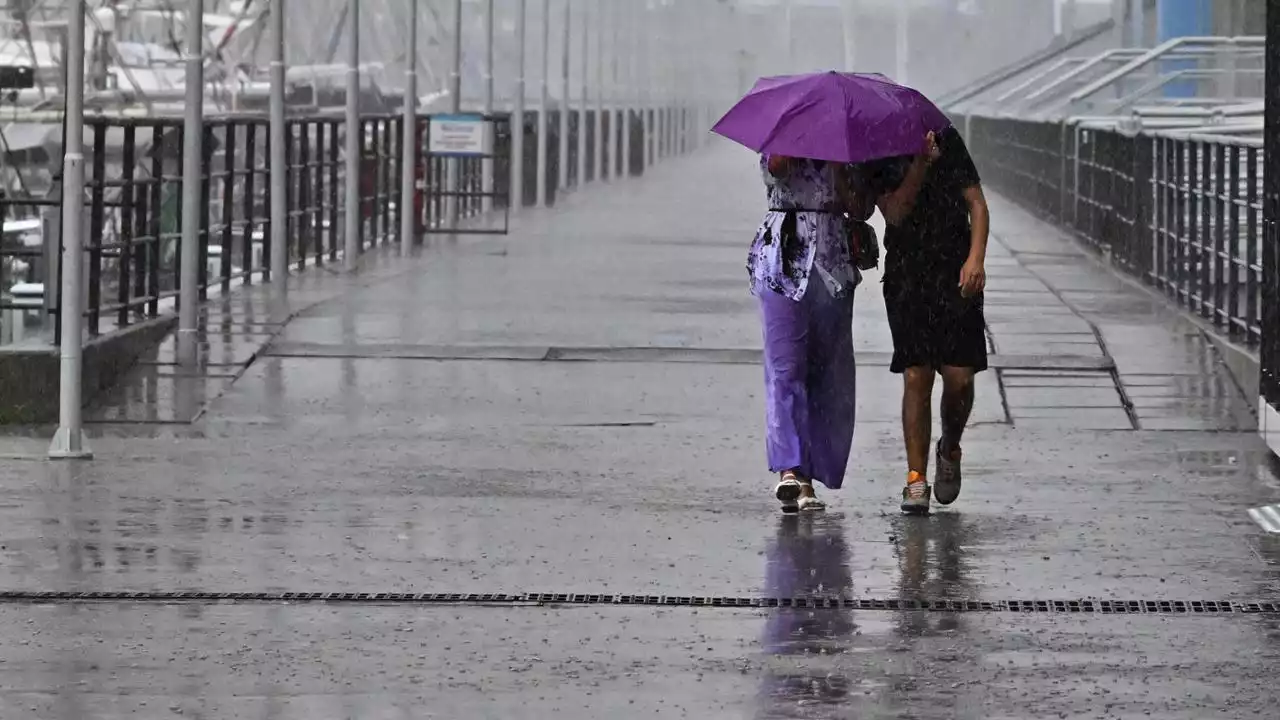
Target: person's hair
[[883, 175]]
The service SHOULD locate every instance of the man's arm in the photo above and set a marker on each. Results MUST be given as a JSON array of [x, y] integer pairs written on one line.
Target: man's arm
[[979, 221], [973, 275], [896, 206]]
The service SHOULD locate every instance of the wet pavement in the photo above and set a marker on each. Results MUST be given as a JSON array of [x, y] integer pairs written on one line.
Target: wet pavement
[[576, 408]]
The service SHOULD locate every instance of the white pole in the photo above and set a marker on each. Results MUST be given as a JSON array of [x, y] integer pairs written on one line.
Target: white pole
[[677, 77], [849, 28], [903, 39], [192, 160], [585, 13], [1138, 24], [279, 154], [517, 116], [627, 82], [619, 94], [789, 25], [677, 82], [540, 182], [1069, 19], [600, 85], [409, 138], [644, 88], [69, 442], [662, 57], [486, 165], [1119, 14], [453, 171], [352, 220], [563, 174]]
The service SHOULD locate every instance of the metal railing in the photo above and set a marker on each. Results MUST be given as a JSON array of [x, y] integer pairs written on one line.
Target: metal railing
[[133, 205], [133, 208], [1180, 210], [1054, 85]]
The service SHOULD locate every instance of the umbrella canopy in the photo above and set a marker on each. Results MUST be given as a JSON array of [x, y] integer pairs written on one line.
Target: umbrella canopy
[[838, 117]]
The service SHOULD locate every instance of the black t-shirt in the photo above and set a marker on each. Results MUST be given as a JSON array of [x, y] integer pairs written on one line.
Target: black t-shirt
[[938, 227]]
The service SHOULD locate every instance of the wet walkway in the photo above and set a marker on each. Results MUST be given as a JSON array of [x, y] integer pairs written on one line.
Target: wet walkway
[[576, 408]]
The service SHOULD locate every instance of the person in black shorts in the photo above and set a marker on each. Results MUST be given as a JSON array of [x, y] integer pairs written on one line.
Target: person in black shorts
[[935, 252]]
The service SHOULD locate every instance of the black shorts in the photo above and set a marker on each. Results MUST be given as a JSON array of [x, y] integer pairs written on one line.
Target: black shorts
[[931, 323]]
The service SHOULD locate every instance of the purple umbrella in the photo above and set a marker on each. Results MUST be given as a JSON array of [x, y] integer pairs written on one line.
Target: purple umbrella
[[839, 117]]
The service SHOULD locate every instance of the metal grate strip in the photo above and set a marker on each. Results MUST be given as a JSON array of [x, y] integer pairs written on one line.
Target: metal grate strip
[[1101, 607]]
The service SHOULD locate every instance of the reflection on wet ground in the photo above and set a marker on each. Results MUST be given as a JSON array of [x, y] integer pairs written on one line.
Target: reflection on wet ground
[[803, 647]]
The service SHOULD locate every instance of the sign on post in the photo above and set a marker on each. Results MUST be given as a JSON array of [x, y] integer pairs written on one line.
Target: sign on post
[[460, 136]]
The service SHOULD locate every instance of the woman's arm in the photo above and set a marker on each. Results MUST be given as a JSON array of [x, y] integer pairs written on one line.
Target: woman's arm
[[896, 206]]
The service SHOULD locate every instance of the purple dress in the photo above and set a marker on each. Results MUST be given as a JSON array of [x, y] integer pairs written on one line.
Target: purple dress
[[808, 326]]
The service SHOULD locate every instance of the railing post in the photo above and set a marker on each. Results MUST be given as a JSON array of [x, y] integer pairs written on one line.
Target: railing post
[[228, 205], [1140, 245], [69, 441], [302, 227], [97, 224], [249, 164], [1270, 354], [206, 189]]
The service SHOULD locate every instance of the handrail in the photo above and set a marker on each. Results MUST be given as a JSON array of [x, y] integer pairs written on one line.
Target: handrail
[[1016, 68], [1034, 79], [1158, 53], [1164, 79], [1088, 65]]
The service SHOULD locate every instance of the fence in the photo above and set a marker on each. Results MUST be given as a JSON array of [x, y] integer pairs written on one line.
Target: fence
[[133, 203], [1181, 212]]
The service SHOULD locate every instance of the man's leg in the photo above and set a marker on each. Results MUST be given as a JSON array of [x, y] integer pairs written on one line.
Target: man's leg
[[957, 404], [917, 398], [917, 417]]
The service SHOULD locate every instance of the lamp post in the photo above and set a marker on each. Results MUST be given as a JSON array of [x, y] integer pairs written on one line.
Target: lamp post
[[351, 219], [69, 442], [279, 155], [516, 201], [409, 137], [562, 175], [192, 170]]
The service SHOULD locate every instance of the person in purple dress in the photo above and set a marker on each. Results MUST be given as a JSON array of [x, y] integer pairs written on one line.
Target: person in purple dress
[[803, 274]]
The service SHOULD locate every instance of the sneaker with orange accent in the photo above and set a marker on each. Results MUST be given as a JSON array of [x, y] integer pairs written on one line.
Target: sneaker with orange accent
[[915, 496]]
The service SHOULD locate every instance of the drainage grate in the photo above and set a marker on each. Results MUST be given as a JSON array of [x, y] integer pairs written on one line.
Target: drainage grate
[[1099, 607]]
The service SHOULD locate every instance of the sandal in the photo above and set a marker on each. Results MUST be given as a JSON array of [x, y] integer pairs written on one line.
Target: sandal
[[788, 493], [810, 503]]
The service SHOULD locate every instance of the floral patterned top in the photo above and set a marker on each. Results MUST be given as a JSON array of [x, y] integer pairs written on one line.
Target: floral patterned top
[[789, 246]]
